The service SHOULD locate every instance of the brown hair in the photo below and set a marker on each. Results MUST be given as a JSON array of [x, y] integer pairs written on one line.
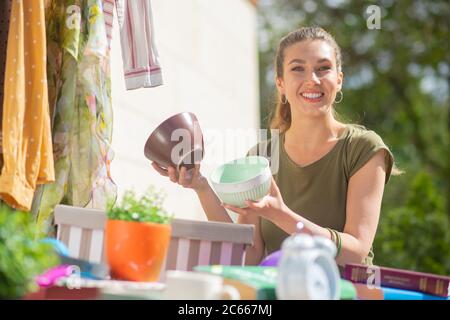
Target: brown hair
[[281, 115]]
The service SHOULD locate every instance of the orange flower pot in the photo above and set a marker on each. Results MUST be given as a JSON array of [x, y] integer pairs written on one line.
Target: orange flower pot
[[136, 250]]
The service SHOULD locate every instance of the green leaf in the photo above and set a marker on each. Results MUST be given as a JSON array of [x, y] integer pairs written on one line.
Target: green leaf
[[146, 208], [22, 256]]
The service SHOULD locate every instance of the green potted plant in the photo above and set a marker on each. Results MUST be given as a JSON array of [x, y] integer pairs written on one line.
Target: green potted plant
[[22, 255], [137, 236]]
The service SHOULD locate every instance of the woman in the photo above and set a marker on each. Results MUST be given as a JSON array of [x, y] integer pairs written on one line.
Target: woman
[[331, 175]]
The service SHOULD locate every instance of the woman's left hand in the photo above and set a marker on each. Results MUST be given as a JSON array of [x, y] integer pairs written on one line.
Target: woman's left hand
[[268, 207]]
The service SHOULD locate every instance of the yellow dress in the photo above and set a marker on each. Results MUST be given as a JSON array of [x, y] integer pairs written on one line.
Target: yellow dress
[[27, 145]]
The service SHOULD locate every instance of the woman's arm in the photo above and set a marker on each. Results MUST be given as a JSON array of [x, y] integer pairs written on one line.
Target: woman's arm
[[216, 212], [213, 208], [364, 195], [197, 182], [255, 253], [211, 204]]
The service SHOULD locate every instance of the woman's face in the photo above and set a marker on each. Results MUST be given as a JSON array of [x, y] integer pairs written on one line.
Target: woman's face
[[310, 78]]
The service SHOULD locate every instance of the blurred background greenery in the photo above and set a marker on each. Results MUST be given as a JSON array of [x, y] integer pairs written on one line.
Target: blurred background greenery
[[396, 83], [22, 255]]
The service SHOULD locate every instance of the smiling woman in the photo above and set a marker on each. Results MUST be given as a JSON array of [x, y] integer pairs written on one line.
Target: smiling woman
[[330, 175], [308, 60]]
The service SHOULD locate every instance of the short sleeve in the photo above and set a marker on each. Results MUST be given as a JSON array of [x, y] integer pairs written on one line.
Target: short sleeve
[[363, 148]]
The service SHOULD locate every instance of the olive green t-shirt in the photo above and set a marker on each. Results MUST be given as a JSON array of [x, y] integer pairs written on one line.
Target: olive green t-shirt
[[318, 191]]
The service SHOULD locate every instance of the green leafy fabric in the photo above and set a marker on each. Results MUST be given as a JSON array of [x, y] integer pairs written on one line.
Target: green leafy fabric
[[79, 82]]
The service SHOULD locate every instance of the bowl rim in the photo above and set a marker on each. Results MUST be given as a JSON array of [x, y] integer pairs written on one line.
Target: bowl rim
[[244, 185]]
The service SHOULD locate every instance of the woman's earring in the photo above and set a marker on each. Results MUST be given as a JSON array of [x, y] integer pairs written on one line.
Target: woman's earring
[[285, 99], [341, 97]]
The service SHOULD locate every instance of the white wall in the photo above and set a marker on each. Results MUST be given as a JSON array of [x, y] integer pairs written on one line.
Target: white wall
[[208, 54]]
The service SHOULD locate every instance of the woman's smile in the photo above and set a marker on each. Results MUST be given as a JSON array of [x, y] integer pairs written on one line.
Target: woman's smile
[[312, 96]]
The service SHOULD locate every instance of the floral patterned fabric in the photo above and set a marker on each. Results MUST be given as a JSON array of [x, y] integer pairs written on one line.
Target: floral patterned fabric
[[80, 105]]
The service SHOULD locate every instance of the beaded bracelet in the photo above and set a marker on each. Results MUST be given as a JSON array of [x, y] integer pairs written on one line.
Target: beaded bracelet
[[339, 243], [331, 234], [336, 238]]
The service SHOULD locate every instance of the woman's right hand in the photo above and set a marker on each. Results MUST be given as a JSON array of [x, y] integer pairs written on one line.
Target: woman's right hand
[[192, 179]]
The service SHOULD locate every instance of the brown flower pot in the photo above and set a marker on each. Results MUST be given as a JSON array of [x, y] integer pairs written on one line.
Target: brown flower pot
[[136, 250]]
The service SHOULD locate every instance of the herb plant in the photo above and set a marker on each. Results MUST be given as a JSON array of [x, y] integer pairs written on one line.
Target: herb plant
[[147, 208]]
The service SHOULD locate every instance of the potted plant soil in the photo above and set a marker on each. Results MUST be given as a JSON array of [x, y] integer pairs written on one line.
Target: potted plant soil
[[137, 237]]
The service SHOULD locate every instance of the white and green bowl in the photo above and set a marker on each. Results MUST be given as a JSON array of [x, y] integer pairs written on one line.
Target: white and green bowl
[[242, 179]]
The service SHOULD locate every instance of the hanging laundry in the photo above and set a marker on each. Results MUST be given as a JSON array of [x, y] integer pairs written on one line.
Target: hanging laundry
[[137, 37], [79, 89], [5, 12], [80, 86], [27, 147]]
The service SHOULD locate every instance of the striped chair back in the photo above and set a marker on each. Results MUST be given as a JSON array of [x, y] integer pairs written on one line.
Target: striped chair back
[[82, 231], [205, 243], [192, 242]]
